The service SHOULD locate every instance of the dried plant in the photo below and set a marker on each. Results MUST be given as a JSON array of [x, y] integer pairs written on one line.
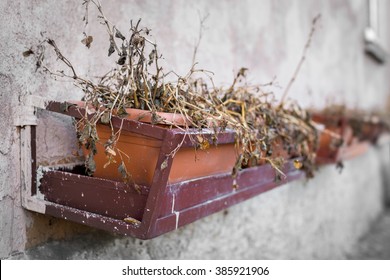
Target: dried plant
[[366, 126], [262, 125]]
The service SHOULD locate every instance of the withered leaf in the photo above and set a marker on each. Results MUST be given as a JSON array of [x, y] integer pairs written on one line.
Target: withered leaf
[[111, 49], [105, 118], [132, 221], [28, 53], [40, 59], [87, 41], [242, 72], [204, 144], [122, 113], [156, 118], [91, 165], [64, 107], [122, 60], [298, 164], [122, 170], [119, 35], [152, 57], [110, 151], [340, 166]]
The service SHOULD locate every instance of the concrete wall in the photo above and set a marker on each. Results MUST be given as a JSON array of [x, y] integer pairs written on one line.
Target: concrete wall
[[319, 219]]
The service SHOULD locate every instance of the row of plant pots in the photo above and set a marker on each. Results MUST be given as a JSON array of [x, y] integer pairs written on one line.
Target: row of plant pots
[[338, 141], [168, 192]]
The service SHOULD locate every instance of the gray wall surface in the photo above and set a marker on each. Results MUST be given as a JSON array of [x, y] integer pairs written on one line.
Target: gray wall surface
[[322, 218]]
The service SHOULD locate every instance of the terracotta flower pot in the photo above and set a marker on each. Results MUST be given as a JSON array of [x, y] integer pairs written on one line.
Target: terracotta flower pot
[[329, 144], [369, 129], [140, 154], [277, 152], [337, 141], [144, 115], [163, 118]]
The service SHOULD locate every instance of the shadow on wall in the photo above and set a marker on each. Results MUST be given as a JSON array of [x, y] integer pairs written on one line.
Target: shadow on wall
[[59, 250], [44, 228]]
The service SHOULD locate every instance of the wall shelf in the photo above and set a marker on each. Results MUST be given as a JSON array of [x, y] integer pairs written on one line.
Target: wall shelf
[[107, 204], [148, 210], [145, 211]]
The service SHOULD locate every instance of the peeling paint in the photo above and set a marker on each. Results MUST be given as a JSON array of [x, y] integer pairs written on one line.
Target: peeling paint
[[173, 203], [177, 214]]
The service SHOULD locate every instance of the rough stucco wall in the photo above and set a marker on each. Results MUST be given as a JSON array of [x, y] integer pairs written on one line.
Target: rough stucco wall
[[295, 221], [22, 23]]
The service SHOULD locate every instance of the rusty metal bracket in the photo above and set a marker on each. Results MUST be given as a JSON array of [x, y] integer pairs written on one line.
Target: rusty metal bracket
[[25, 118]]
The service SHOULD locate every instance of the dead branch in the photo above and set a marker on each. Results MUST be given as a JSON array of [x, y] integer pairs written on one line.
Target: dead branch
[[303, 57]]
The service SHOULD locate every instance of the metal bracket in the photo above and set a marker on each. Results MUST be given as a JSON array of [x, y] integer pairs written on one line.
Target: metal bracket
[[26, 119], [25, 113]]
